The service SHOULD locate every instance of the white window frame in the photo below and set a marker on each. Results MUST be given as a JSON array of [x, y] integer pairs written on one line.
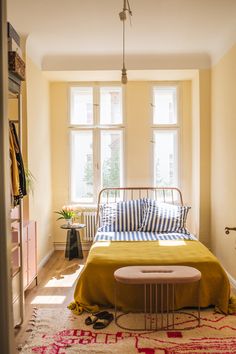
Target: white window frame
[[167, 127], [96, 129]]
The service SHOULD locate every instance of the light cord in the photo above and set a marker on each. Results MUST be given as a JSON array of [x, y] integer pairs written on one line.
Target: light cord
[[122, 15], [123, 43]]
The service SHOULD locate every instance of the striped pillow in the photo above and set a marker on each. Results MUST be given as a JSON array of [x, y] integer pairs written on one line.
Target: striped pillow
[[163, 217], [121, 216]]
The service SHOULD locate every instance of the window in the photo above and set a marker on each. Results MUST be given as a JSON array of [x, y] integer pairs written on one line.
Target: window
[[81, 105], [111, 158], [96, 140], [166, 136]]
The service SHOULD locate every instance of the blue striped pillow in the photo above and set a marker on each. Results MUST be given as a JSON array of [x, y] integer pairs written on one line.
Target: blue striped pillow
[[163, 217], [121, 216]]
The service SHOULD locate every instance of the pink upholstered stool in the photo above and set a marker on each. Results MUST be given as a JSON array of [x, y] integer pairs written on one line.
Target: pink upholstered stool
[[150, 277]]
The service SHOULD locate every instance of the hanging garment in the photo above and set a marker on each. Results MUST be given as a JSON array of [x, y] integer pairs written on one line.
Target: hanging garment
[[17, 167], [15, 182]]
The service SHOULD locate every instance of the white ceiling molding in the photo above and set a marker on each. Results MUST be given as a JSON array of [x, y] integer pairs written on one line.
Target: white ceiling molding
[[135, 62], [70, 33], [114, 75]]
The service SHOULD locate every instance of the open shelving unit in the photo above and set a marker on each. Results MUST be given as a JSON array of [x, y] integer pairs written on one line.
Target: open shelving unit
[[16, 216]]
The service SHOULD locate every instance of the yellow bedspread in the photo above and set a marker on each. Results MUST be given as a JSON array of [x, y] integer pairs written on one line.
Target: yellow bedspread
[[95, 286]]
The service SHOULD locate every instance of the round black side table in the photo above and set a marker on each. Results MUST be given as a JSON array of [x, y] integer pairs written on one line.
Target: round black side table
[[73, 242]]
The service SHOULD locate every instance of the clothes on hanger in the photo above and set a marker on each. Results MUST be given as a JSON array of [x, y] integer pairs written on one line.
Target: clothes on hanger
[[17, 166]]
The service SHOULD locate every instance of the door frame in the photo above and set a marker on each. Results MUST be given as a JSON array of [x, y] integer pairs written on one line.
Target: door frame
[[6, 308]]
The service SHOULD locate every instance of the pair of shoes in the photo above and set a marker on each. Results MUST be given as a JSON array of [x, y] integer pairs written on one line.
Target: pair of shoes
[[99, 320], [94, 317]]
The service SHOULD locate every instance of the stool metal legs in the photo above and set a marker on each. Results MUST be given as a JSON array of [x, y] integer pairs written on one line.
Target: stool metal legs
[[151, 296], [166, 311]]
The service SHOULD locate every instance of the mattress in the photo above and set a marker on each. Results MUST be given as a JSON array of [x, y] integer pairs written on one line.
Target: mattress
[[95, 286], [141, 236]]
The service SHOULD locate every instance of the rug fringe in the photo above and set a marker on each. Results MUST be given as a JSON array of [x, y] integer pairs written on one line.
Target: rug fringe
[[30, 328]]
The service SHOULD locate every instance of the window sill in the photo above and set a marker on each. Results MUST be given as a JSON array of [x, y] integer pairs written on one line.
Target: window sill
[[84, 206]]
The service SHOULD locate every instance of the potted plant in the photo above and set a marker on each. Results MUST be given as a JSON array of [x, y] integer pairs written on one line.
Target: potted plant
[[67, 213], [30, 181]]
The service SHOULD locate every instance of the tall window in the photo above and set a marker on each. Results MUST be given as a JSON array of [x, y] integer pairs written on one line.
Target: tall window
[[166, 127], [96, 135]]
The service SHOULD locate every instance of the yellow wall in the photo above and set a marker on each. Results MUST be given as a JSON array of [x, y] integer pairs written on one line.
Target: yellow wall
[[39, 155], [60, 153], [200, 140], [205, 155], [223, 162], [138, 145]]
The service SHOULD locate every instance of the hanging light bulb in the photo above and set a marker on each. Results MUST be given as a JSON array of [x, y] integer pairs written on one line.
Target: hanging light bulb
[[124, 78], [122, 15]]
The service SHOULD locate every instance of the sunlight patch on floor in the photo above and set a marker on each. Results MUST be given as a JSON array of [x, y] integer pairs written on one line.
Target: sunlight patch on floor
[[48, 299], [64, 280]]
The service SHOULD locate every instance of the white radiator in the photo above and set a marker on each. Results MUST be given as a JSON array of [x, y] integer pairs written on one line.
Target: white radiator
[[89, 219]]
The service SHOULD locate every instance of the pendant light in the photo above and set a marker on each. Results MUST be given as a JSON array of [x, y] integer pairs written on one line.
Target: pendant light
[[123, 17]]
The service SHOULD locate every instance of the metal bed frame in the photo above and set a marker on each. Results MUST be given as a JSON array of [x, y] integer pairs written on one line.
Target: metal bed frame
[[171, 195]]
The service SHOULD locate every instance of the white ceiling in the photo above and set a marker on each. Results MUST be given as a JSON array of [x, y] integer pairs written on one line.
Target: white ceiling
[[87, 35]]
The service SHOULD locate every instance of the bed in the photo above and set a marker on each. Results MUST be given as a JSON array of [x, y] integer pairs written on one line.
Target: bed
[[124, 243]]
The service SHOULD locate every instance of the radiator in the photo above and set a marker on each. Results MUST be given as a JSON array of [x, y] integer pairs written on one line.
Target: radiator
[[89, 219]]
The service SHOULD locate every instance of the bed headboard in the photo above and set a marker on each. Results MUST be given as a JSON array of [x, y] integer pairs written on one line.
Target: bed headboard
[[169, 195]]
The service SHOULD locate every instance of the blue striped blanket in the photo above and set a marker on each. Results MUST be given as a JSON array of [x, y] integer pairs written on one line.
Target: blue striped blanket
[[141, 236]]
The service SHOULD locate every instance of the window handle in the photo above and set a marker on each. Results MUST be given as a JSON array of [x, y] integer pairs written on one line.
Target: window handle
[[153, 105]]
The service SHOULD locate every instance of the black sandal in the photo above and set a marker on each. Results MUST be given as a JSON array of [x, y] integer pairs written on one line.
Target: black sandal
[[94, 317], [104, 321]]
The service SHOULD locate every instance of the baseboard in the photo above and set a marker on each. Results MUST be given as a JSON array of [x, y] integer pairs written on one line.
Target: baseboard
[[61, 246], [45, 259], [232, 281]]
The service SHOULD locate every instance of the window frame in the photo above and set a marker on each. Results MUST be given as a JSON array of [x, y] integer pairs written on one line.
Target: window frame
[[121, 130], [171, 127], [96, 129], [70, 162], [69, 106]]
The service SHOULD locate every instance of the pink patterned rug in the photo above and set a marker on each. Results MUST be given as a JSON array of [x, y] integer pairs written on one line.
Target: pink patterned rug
[[60, 332]]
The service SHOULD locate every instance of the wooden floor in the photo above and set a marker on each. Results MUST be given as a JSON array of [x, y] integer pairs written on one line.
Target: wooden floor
[[56, 282]]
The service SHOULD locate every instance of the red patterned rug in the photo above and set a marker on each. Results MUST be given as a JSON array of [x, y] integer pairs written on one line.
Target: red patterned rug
[[60, 332]]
